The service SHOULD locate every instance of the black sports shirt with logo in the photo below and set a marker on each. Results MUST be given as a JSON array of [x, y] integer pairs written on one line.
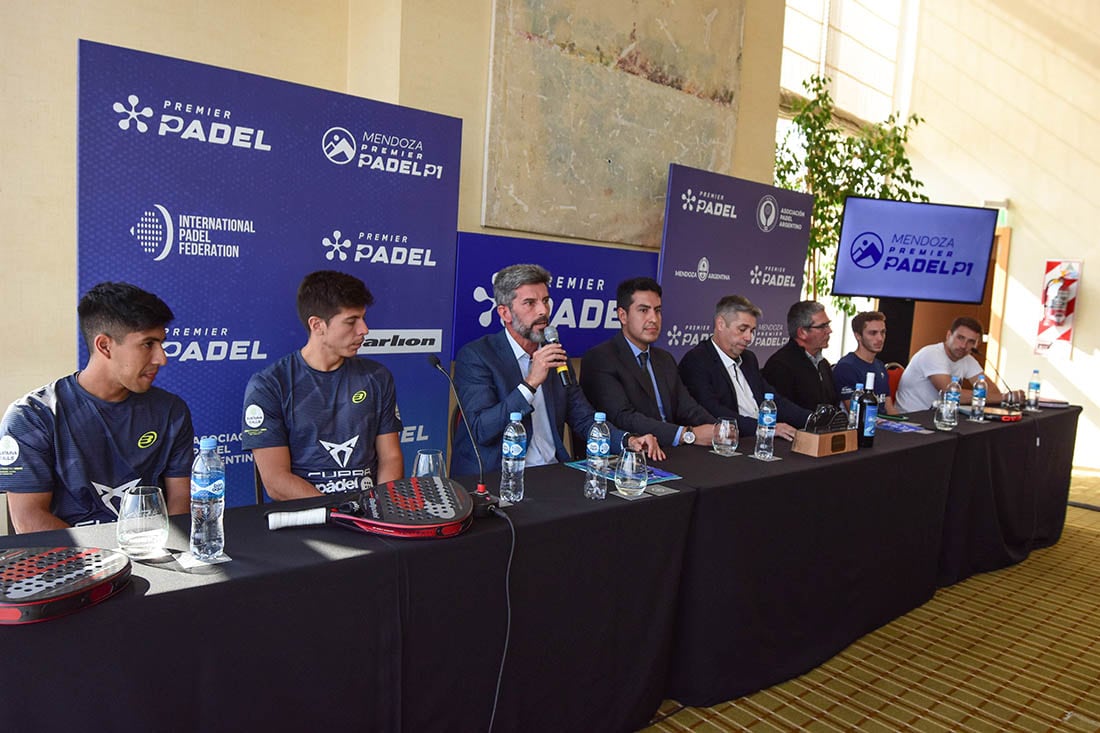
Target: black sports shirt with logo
[[85, 450], [328, 420]]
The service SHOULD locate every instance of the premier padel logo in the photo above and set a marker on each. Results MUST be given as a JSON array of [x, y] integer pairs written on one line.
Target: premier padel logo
[[132, 114], [707, 203], [754, 275], [377, 248], [688, 199], [147, 439], [340, 452], [190, 121], [107, 494], [336, 244], [481, 295]]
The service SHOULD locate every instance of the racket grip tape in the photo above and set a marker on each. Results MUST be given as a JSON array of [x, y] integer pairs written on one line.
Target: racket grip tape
[[300, 518]]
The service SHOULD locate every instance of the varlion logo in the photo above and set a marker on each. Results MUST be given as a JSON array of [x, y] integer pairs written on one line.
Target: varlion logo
[[403, 341]]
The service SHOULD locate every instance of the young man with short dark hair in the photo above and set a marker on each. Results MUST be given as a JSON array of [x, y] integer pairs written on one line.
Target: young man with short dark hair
[[70, 448], [322, 420]]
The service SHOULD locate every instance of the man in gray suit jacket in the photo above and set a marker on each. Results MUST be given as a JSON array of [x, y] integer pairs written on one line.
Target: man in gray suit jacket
[[636, 383]]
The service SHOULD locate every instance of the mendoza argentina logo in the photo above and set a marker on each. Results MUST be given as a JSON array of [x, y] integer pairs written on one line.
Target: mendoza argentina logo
[[383, 151], [159, 233], [190, 120], [702, 272]]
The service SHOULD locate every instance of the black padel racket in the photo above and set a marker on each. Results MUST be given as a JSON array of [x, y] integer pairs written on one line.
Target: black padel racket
[[40, 583], [423, 508]]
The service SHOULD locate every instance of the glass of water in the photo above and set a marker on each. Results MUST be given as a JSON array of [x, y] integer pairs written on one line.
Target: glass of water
[[142, 527], [429, 463], [725, 437], [631, 475]]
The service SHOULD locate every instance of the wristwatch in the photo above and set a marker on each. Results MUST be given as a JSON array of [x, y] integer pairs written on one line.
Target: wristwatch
[[687, 437]]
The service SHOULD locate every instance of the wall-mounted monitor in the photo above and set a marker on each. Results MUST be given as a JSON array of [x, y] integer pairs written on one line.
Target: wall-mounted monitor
[[908, 249]]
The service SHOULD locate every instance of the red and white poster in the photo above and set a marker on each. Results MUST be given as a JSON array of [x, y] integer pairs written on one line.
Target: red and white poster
[[1059, 300]]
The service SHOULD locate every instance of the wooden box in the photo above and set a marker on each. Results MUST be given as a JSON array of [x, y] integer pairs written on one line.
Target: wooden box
[[817, 445]]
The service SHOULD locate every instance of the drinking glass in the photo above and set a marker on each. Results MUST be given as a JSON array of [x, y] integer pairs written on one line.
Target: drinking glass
[[725, 436], [631, 476], [945, 413], [429, 463], [142, 527]]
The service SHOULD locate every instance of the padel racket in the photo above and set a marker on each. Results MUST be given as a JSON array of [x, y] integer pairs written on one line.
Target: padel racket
[[420, 508], [40, 583]]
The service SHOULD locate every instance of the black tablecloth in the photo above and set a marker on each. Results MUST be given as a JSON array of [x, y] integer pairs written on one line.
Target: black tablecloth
[[1008, 491], [789, 562], [322, 628], [300, 627]]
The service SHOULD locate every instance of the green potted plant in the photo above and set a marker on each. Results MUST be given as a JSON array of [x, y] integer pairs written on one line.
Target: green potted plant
[[818, 156]]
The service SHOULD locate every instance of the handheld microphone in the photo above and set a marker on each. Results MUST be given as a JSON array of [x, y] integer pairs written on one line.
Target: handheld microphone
[[1007, 396], [484, 502], [550, 336]]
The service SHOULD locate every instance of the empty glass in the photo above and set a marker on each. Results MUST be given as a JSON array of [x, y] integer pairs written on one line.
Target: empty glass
[[725, 436], [142, 527], [631, 475], [429, 463]]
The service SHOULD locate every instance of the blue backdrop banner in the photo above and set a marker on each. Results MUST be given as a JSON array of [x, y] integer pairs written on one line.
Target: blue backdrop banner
[[725, 236], [219, 190], [583, 286]]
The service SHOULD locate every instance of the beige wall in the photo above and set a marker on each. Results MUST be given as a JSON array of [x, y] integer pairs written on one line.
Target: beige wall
[[1009, 92], [429, 54], [38, 75]]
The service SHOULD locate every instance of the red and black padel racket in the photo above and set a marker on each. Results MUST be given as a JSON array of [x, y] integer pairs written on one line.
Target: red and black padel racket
[[40, 583], [418, 508]]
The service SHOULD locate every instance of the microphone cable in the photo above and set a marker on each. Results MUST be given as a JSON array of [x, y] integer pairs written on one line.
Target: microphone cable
[[496, 510]]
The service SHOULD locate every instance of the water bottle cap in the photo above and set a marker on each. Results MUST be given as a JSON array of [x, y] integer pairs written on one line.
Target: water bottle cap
[[859, 385], [515, 417], [208, 444], [601, 416], [769, 396]]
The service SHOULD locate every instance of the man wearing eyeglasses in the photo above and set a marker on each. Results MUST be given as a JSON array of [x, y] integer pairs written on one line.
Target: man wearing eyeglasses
[[799, 371]]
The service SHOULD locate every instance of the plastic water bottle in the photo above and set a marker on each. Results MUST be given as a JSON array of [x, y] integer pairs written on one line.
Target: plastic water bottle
[[853, 407], [1033, 392], [953, 395], [765, 428], [513, 458], [977, 400], [868, 413], [599, 453], [207, 501]]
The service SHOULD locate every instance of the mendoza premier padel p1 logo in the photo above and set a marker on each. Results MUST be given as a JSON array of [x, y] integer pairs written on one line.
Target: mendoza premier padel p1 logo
[[147, 439]]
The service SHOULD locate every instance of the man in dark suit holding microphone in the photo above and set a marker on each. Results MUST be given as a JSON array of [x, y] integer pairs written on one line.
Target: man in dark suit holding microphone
[[516, 370], [724, 376]]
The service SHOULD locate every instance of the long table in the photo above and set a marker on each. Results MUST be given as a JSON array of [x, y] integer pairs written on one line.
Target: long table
[[1008, 491], [789, 562], [751, 574], [322, 628]]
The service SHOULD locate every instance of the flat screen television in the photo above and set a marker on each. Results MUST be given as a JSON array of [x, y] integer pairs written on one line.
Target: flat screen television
[[909, 249]]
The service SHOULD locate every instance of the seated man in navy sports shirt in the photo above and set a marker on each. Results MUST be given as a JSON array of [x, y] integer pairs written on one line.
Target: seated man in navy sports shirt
[[69, 449], [322, 420]]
